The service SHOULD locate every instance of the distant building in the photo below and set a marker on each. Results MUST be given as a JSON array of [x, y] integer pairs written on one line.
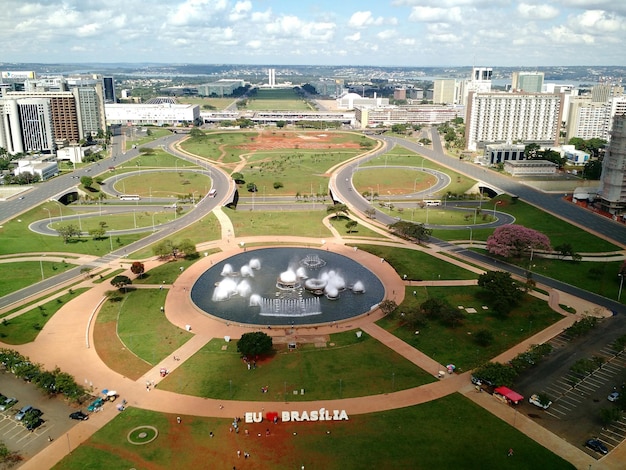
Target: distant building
[[531, 82], [530, 167], [152, 114], [575, 157], [371, 116], [109, 89], [500, 153], [510, 117], [44, 166], [613, 179], [588, 119], [26, 125], [220, 88], [446, 91], [603, 93], [271, 77], [351, 100], [399, 94]]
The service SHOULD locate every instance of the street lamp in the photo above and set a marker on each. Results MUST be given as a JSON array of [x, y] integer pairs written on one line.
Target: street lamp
[[415, 184], [470, 229], [41, 267], [621, 284], [530, 263], [193, 198], [49, 215], [153, 220], [494, 209]]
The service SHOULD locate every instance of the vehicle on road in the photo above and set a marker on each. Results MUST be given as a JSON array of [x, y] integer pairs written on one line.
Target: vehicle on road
[[20, 414], [212, 193], [79, 416], [595, 444], [6, 402], [540, 401], [96, 404], [613, 397]]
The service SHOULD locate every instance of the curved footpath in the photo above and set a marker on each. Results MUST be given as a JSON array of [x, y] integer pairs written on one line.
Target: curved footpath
[[67, 341]]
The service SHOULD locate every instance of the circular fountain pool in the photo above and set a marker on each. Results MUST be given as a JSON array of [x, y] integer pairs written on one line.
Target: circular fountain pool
[[287, 286]]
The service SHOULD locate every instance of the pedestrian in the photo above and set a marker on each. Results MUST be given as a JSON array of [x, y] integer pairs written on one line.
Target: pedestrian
[[147, 388], [510, 454], [246, 455], [238, 453], [211, 434], [178, 420]]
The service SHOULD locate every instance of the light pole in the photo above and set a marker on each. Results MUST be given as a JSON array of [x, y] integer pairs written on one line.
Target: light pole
[[111, 241], [470, 229], [80, 225], [153, 221], [61, 212], [415, 184], [621, 284], [530, 263], [41, 267], [494, 209], [135, 218], [49, 215], [193, 198]]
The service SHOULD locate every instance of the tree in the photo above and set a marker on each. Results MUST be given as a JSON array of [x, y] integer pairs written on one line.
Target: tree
[[121, 282], [187, 248], [67, 232], [137, 268], [484, 337], [277, 185], [97, 233], [565, 250], [350, 225], [86, 181], [238, 178], [337, 209], [496, 374], [531, 151], [516, 240], [387, 306], [504, 292], [411, 230], [251, 187], [592, 170], [370, 212], [164, 249], [254, 344]]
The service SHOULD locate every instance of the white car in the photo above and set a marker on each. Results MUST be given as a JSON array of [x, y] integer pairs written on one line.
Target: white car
[[613, 396], [534, 400]]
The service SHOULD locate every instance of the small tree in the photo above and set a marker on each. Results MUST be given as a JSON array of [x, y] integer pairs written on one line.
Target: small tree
[[516, 240], [137, 268], [187, 248], [86, 181], [387, 306], [67, 232], [120, 282], [504, 292], [97, 233], [254, 344], [337, 209], [351, 225], [370, 212]]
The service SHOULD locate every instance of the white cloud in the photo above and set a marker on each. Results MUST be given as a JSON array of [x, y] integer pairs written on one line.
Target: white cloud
[[361, 19], [597, 21], [564, 35], [254, 44], [537, 12], [353, 37], [387, 34], [431, 14], [240, 11], [261, 16]]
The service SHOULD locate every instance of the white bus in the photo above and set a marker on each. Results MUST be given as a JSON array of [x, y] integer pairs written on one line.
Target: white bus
[[212, 193], [129, 197], [432, 202]]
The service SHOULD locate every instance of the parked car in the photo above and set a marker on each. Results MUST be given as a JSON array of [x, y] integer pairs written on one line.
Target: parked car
[[32, 414], [595, 444], [20, 414], [541, 402], [6, 403], [95, 405], [79, 416], [34, 424], [613, 396]]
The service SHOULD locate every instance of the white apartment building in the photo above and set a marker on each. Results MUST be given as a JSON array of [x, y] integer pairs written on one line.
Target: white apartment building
[[512, 117], [152, 114], [613, 179], [531, 82], [446, 91], [371, 116], [26, 125]]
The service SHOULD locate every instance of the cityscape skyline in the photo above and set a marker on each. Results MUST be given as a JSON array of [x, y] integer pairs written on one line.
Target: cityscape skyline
[[378, 33]]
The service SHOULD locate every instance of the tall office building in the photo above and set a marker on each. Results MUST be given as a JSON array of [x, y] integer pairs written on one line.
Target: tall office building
[[588, 119], [479, 82], [613, 179], [108, 85], [512, 117], [604, 93], [446, 91], [26, 125], [271, 77], [531, 82]]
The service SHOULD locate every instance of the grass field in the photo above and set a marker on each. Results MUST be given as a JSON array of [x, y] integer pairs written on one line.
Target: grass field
[[277, 100], [441, 434], [155, 133], [17, 275], [298, 224], [219, 146], [213, 103], [165, 184]]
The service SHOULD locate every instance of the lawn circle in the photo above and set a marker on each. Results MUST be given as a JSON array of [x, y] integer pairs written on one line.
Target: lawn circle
[[142, 435]]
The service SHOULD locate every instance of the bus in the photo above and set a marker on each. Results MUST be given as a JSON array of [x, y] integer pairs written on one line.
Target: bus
[[129, 197], [432, 202], [212, 193]]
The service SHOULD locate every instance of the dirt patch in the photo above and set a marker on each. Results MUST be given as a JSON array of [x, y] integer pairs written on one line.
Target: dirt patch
[[114, 354], [310, 141]]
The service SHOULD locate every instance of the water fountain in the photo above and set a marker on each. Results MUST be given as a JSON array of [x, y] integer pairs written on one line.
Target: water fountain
[[278, 286]]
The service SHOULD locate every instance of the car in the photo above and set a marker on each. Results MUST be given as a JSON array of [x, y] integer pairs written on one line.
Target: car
[[79, 416], [32, 414], [613, 396], [6, 403], [595, 444], [20, 414], [34, 424], [95, 405], [536, 400]]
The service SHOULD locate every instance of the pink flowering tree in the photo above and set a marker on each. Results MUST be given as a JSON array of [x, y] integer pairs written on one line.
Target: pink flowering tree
[[514, 241]]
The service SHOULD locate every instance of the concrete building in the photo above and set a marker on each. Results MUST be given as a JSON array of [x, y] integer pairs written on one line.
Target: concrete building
[[271, 78], [500, 153], [603, 93], [530, 168], [512, 117], [479, 82], [613, 179], [446, 91], [531, 82], [220, 88], [152, 114], [351, 100], [574, 157], [44, 166], [26, 125], [399, 94], [588, 119], [371, 116]]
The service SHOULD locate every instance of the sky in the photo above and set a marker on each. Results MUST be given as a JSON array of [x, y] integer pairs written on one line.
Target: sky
[[411, 33]]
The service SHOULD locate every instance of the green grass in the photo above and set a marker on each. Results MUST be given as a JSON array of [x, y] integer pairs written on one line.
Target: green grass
[[19, 274], [164, 274], [456, 345], [436, 435], [156, 133], [351, 367], [277, 100], [210, 146], [25, 328], [218, 103], [298, 224], [122, 221], [418, 265], [145, 330], [170, 184], [158, 159], [339, 223]]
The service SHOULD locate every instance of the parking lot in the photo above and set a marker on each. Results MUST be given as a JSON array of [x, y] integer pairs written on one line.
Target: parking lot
[[575, 413], [55, 415]]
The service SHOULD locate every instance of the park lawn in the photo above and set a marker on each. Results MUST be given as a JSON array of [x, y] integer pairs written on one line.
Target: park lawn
[[144, 329], [417, 265], [296, 224], [206, 229], [157, 159], [215, 145], [165, 184], [17, 274], [345, 367], [214, 103], [339, 223], [456, 345], [391, 181], [166, 273], [439, 434], [25, 327], [155, 133], [121, 221], [277, 100], [438, 215], [17, 238]]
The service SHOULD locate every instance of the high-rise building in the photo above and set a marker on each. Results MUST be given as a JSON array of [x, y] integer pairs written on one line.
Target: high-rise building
[[479, 82], [512, 117], [26, 125], [587, 119], [603, 93], [613, 179], [531, 82], [108, 85], [271, 77], [446, 91]]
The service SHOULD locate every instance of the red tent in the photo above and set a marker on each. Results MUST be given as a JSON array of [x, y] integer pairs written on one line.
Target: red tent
[[509, 394]]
